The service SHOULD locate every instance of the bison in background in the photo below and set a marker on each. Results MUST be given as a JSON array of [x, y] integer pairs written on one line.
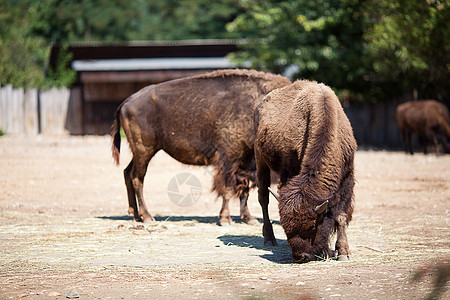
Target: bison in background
[[429, 119], [303, 134], [199, 120]]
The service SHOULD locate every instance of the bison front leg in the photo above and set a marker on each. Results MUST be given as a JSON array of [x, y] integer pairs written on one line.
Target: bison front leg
[[245, 213], [224, 215], [344, 214], [263, 181], [408, 143], [243, 190], [341, 241], [341, 222]]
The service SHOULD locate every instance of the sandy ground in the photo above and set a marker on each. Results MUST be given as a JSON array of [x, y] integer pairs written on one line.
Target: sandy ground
[[64, 231]]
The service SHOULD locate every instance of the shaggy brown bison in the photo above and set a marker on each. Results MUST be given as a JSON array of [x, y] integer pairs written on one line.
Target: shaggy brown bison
[[200, 120], [303, 134], [428, 119]]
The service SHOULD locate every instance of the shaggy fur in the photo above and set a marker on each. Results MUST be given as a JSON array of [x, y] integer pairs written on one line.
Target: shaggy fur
[[427, 118], [200, 120], [303, 134]]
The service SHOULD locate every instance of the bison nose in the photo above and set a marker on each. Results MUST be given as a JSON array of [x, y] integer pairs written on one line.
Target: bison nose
[[302, 258]]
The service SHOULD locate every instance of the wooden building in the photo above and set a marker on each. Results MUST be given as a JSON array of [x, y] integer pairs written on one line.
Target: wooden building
[[108, 73]]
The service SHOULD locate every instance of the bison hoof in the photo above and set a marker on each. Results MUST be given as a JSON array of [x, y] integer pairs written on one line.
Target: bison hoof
[[149, 220], [344, 258], [252, 221], [225, 222]]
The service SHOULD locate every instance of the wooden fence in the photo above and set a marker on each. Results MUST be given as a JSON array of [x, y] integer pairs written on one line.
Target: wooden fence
[[375, 124], [31, 112], [59, 111]]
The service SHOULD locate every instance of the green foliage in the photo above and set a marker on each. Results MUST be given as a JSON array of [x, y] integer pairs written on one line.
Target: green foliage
[[22, 55], [61, 75], [30, 27], [366, 50], [62, 21], [409, 39], [323, 38], [190, 19]]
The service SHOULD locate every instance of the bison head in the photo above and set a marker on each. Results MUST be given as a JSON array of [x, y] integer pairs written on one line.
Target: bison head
[[302, 219]]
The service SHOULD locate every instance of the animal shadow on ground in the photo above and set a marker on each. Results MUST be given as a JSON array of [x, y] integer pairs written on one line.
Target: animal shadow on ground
[[116, 218], [199, 219], [280, 254]]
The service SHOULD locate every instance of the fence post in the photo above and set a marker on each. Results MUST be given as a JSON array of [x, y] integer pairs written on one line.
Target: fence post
[[6, 112], [17, 111], [3, 109], [53, 108], [30, 112]]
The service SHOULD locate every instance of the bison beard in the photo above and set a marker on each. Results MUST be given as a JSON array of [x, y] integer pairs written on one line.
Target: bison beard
[[200, 120], [303, 134]]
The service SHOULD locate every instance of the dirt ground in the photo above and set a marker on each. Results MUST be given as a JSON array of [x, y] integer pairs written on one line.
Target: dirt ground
[[65, 232]]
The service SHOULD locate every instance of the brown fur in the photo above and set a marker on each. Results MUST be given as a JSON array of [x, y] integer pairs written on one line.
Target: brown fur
[[303, 134], [200, 120], [427, 118]]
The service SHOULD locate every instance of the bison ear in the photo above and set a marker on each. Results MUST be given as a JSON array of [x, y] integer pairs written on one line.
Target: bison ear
[[320, 209]]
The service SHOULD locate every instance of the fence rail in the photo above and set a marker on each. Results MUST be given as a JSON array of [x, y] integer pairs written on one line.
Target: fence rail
[[31, 111], [59, 111]]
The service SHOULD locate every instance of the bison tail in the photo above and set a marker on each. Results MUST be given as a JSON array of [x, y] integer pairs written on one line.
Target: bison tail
[[115, 134]]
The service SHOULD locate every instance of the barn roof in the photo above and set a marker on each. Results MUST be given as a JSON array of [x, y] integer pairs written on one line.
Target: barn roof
[[211, 48], [136, 64], [107, 73]]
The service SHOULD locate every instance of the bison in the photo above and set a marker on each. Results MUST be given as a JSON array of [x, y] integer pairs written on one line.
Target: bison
[[429, 119], [200, 120], [303, 134]]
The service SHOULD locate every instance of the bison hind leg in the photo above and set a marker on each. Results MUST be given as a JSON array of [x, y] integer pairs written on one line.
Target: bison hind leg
[[132, 204], [134, 179]]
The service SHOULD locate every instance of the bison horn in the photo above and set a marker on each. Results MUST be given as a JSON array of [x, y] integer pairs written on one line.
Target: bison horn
[[321, 208], [275, 194]]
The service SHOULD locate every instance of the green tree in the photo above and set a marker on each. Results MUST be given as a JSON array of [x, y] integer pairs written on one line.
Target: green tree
[[63, 21], [324, 38], [22, 55], [410, 42], [365, 50], [30, 27], [190, 19], [71, 21]]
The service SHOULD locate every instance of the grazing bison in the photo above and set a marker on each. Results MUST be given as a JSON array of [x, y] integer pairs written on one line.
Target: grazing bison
[[427, 118], [200, 120], [303, 134]]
